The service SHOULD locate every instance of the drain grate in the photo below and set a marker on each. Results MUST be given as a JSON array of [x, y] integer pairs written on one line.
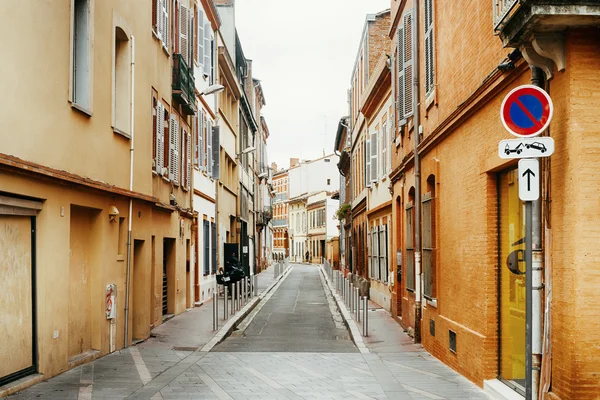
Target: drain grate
[[182, 348]]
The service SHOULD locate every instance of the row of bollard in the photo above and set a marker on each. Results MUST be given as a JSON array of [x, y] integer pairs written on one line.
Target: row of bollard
[[241, 292], [351, 296]]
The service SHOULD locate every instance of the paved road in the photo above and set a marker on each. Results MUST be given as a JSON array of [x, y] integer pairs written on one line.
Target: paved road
[[297, 318], [295, 348]]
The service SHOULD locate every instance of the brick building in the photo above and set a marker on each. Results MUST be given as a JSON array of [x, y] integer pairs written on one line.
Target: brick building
[[458, 220]]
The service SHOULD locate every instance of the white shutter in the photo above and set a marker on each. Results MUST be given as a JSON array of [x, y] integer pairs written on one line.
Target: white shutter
[[183, 157], [408, 64], [188, 176], [209, 147], [201, 139], [429, 67], [160, 138], [200, 38], [164, 17], [184, 23], [400, 78], [174, 150], [368, 164], [207, 49], [374, 156], [159, 18], [196, 141]]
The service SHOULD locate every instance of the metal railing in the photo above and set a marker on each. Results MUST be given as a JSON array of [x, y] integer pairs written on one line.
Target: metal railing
[[234, 298], [502, 8], [183, 85]]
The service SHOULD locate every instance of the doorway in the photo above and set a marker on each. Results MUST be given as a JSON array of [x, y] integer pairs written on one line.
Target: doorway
[[140, 287], [168, 290], [18, 349]]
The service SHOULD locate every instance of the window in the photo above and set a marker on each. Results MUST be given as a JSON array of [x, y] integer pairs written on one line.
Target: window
[[121, 83], [160, 21], [80, 65], [174, 150], [429, 48], [383, 253], [122, 239], [206, 238], [428, 201], [186, 163], [160, 121], [374, 155], [405, 68], [408, 242], [384, 149], [208, 68], [328, 181], [213, 228]]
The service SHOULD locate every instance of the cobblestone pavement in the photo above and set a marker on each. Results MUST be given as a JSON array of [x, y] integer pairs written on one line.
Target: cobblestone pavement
[[172, 372]]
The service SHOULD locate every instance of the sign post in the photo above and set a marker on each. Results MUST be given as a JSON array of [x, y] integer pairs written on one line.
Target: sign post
[[526, 112]]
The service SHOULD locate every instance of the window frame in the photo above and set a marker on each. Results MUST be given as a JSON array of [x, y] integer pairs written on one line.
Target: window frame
[[88, 108]]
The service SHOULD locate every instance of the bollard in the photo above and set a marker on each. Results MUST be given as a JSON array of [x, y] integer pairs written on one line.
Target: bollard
[[357, 298], [225, 316], [233, 290], [365, 316], [238, 293], [245, 289], [352, 304], [215, 311], [275, 271], [256, 285]]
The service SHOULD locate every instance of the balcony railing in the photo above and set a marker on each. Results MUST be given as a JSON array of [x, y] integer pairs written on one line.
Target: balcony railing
[[183, 85], [502, 9]]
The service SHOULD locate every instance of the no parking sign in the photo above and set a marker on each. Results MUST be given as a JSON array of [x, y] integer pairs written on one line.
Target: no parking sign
[[526, 111]]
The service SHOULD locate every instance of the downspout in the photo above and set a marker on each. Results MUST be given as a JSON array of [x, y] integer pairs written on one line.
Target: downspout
[[131, 126], [417, 133], [538, 78]]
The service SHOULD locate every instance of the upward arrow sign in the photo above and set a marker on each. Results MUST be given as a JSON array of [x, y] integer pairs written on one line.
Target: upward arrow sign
[[528, 173], [529, 181]]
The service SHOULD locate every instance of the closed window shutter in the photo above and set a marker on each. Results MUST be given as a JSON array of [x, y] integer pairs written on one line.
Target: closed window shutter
[[209, 147], [206, 268], [164, 16], [207, 49], [213, 227], [408, 64], [202, 140], [160, 138], [155, 14], [368, 163], [400, 79], [374, 155], [174, 150], [183, 33], [216, 146], [386, 272], [200, 39], [429, 67], [188, 176], [196, 141]]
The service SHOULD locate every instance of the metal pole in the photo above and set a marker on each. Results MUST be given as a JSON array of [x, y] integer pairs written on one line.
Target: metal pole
[[238, 296], [215, 312], [357, 297], [233, 287], [351, 298], [528, 302], [256, 285], [365, 316], [225, 316]]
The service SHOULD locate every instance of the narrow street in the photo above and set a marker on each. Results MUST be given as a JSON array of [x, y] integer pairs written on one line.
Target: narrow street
[[296, 346]]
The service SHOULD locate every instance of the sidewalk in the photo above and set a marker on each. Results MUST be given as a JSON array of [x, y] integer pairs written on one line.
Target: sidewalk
[[171, 346], [389, 348]]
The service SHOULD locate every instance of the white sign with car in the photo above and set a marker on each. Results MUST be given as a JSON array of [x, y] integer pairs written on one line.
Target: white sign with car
[[526, 148]]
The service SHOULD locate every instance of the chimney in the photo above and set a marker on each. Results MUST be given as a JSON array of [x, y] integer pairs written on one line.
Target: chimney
[[274, 167], [294, 162]]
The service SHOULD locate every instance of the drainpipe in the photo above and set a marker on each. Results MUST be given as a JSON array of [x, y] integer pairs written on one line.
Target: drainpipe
[[538, 79], [417, 133], [128, 276]]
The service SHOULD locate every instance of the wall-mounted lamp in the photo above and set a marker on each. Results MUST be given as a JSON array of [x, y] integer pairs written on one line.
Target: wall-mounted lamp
[[113, 213], [212, 89]]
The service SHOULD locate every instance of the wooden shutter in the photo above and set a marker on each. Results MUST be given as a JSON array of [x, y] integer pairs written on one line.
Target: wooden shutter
[[429, 67], [408, 64], [400, 78], [174, 150], [216, 147], [200, 39], [206, 268], [374, 156], [429, 276], [213, 228], [207, 49], [184, 16], [163, 15], [188, 177], [202, 140], [160, 138], [368, 164], [209, 147]]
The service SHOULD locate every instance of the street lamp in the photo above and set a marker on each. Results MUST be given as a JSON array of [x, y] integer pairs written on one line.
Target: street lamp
[[212, 89], [246, 151]]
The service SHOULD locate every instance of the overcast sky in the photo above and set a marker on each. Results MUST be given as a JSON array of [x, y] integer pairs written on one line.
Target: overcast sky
[[303, 52]]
